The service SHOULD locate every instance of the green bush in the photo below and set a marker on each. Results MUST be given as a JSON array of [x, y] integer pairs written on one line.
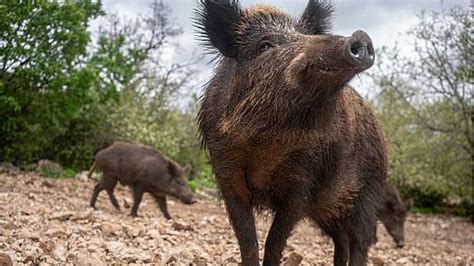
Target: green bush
[[426, 112], [44, 82], [424, 201]]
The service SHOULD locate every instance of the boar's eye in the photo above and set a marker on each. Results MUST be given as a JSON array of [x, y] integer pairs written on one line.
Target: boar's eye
[[264, 45]]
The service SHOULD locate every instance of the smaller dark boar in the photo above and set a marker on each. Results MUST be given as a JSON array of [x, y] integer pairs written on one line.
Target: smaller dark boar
[[393, 213], [144, 169]]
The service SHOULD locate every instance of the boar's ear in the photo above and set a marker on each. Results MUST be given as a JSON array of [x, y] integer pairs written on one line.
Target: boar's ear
[[216, 22], [390, 205], [408, 203], [172, 168], [187, 168], [316, 18]]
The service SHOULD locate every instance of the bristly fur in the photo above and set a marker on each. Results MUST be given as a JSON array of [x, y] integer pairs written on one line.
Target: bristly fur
[[316, 18], [215, 21]]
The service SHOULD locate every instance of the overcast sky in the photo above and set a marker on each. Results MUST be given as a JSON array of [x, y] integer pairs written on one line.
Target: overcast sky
[[383, 20]]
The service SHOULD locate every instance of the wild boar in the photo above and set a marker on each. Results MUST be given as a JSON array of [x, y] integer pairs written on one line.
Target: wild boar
[[393, 213], [144, 169], [284, 130]]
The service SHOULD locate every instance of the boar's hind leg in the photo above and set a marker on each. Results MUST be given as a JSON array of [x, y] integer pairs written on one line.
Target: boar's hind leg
[[110, 185], [138, 191], [359, 250], [340, 237], [161, 200], [358, 253], [362, 236], [97, 189]]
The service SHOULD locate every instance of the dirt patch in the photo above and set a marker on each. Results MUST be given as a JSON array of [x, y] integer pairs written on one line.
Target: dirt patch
[[48, 220]]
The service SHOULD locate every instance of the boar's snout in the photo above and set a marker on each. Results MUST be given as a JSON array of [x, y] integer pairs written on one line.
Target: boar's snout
[[186, 195], [188, 198], [189, 201], [359, 51]]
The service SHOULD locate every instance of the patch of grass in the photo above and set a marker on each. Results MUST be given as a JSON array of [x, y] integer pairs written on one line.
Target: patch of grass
[[204, 178], [51, 172], [207, 182], [427, 210], [69, 173], [192, 184], [58, 173], [196, 183]]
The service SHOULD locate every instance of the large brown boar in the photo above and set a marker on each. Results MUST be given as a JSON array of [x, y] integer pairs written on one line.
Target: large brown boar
[[392, 214], [144, 169], [284, 130]]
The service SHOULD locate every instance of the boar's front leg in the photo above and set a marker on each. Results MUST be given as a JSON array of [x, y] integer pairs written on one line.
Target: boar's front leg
[[138, 191], [242, 220], [161, 201], [283, 223]]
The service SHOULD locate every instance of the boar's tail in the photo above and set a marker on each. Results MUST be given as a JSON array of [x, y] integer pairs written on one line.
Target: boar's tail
[[91, 170]]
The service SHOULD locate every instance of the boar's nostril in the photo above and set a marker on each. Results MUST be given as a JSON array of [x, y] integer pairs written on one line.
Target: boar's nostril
[[359, 50]]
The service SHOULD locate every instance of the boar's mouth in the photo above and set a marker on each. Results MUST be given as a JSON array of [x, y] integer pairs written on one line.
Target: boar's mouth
[[186, 199], [189, 201], [324, 74], [329, 70]]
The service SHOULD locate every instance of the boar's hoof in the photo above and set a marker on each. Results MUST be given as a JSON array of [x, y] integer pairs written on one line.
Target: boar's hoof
[[400, 244]]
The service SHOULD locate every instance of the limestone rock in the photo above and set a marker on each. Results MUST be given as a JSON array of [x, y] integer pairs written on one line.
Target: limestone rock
[[294, 259]]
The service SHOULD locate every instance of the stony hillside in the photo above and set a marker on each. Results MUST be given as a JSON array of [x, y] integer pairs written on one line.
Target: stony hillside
[[48, 220]]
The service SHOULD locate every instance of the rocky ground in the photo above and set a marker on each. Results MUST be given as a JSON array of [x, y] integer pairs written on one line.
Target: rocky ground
[[45, 220]]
